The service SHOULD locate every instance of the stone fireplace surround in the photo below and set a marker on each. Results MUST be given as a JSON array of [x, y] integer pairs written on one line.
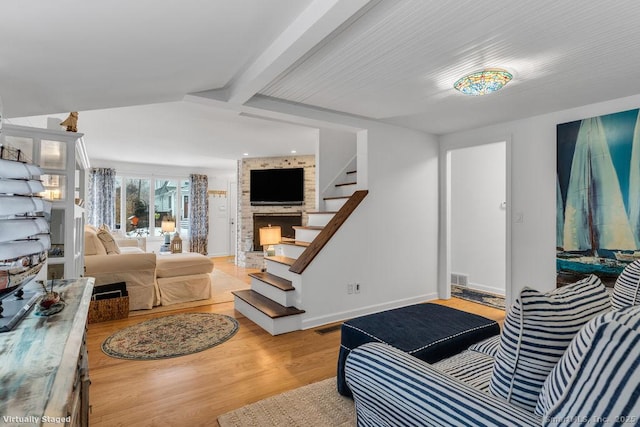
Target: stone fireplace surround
[[246, 255]]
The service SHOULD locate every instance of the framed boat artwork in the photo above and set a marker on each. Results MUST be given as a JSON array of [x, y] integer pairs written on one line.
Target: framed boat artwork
[[598, 196]]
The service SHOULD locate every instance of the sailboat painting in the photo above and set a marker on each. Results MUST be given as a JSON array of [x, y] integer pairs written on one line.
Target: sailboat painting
[[598, 196]]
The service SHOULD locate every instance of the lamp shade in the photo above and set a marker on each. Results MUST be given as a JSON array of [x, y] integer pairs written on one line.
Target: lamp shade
[[270, 235], [168, 226]]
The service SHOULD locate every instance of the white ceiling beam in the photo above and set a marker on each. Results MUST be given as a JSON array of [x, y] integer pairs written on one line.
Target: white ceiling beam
[[305, 115], [277, 110], [315, 23]]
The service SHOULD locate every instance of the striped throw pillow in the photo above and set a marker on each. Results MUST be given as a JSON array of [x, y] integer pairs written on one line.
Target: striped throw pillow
[[471, 367], [537, 330], [599, 375], [489, 346], [626, 289]]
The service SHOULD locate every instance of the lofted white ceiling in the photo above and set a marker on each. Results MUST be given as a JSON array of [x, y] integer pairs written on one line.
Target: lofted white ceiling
[[127, 66], [74, 55]]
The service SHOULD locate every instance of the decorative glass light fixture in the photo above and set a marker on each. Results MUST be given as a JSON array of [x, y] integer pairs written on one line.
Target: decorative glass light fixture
[[483, 82]]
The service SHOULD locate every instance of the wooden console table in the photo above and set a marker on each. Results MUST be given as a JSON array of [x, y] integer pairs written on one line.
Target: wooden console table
[[44, 372]]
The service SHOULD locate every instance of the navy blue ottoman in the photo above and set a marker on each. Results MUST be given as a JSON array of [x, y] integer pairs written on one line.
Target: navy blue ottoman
[[430, 332]]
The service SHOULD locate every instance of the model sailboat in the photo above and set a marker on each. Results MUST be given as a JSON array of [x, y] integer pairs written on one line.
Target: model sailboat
[[24, 238]]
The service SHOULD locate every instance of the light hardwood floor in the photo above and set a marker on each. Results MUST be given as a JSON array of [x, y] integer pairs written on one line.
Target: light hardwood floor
[[193, 390]]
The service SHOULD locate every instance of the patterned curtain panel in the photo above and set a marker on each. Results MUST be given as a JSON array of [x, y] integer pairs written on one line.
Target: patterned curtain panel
[[101, 197], [199, 214]]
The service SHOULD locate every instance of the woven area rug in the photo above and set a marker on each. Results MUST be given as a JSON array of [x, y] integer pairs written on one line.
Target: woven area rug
[[170, 336], [314, 405], [221, 286], [486, 298]]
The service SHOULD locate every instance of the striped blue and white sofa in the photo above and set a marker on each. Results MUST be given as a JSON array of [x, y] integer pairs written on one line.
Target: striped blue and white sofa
[[567, 357]]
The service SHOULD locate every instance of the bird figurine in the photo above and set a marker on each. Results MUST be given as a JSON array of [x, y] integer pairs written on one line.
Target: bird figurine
[[71, 122]]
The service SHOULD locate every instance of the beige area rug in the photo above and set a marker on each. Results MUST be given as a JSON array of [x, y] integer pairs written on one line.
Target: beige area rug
[[221, 286], [314, 405], [170, 336]]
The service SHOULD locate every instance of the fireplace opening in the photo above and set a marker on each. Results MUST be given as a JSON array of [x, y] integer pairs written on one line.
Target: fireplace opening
[[285, 221]]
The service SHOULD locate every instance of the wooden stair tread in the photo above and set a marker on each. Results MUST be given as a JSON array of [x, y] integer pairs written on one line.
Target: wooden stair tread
[[281, 259], [265, 305], [273, 280], [322, 212], [335, 197], [350, 172], [346, 183], [307, 227], [295, 243]]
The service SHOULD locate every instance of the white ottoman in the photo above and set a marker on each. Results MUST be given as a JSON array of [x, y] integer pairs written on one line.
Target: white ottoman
[[183, 277]]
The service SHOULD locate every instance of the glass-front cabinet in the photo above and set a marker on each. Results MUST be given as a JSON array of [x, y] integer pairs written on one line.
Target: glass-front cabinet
[[62, 157]]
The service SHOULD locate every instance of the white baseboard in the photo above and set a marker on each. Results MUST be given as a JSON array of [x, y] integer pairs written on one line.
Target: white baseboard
[[218, 254], [485, 288], [314, 322]]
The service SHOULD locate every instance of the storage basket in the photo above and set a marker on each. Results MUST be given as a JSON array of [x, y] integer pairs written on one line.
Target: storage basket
[[109, 302]]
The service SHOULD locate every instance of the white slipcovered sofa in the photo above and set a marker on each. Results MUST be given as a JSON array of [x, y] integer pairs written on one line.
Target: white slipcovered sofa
[[567, 357], [151, 279]]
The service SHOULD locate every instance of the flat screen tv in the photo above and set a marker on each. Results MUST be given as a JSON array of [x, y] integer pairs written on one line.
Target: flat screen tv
[[277, 187]]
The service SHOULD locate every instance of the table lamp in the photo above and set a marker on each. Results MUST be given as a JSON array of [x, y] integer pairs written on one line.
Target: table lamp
[[168, 227], [270, 236]]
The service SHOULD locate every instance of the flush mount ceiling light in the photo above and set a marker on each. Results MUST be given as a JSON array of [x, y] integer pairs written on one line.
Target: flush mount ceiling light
[[483, 82]]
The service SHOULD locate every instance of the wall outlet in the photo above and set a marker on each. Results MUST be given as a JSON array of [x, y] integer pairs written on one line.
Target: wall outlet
[[350, 288], [357, 289]]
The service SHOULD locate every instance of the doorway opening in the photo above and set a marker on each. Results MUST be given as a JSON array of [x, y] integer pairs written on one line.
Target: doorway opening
[[477, 212]]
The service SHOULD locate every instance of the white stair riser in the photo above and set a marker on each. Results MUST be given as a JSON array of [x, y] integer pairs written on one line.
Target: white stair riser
[[319, 220], [286, 298], [334, 204], [305, 235], [344, 190], [280, 269], [351, 177], [280, 325], [290, 251]]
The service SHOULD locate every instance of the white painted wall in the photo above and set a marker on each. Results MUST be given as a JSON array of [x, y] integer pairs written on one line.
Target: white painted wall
[[389, 244], [335, 150], [478, 233], [533, 184]]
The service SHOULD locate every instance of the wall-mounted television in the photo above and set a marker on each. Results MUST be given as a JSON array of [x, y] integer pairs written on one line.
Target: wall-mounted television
[[277, 187]]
